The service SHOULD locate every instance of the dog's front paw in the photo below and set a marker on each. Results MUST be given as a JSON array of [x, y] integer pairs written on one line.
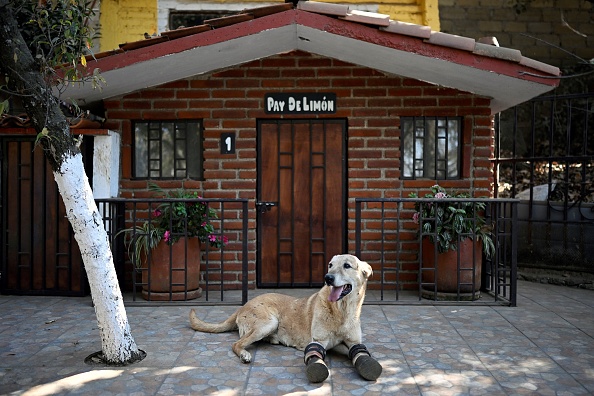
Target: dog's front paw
[[245, 357], [316, 370], [368, 368]]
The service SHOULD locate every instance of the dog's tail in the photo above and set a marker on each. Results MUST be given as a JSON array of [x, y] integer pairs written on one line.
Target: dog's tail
[[200, 325]]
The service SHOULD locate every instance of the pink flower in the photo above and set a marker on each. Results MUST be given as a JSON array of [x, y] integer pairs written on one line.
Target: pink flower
[[440, 195], [225, 239], [167, 236], [212, 238], [416, 218], [156, 213]]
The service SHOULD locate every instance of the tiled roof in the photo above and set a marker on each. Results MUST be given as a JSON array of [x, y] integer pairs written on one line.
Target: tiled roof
[[398, 45], [342, 11]]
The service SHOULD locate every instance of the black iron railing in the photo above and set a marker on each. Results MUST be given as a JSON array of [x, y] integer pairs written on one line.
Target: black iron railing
[[223, 264], [544, 156], [390, 237]]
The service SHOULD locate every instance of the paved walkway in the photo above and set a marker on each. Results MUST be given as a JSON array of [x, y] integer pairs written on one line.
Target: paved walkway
[[545, 346]]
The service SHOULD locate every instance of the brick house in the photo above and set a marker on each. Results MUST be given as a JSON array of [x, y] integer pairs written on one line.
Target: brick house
[[305, 109]]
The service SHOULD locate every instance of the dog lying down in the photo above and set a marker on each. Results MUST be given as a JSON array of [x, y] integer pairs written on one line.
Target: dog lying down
[[329, 318]]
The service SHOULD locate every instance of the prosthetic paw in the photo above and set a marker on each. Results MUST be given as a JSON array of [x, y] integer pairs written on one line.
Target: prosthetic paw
[[366, 366], [316, 370]]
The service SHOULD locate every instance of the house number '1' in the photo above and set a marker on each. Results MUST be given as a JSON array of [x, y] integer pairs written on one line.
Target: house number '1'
[[227, 143]]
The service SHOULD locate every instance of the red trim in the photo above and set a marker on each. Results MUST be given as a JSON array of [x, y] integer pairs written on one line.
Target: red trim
[[417, 46]]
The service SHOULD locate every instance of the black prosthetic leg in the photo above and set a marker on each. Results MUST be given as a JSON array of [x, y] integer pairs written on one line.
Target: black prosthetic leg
[[316, 369], [366, 366]]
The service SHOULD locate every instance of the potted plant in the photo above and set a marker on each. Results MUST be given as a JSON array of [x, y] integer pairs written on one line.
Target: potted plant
[[166, 247], [457, 232]]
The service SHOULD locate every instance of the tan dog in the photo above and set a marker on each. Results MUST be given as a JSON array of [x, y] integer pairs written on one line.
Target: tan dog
[[327, 319]]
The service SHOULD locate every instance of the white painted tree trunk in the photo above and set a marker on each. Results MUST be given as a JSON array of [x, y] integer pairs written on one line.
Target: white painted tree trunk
[[117, 343]]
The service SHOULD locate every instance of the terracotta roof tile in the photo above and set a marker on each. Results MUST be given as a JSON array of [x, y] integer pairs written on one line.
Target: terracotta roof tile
[[142, 43], [497, 52], [408, 29], [452, 41], [540, 66], [173, 34], [268, 10], [488, 40], [368, 18], [228, 20], [340, 10]]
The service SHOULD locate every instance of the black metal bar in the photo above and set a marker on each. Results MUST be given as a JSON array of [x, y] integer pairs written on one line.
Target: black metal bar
[[358, 203], [496, 285], [130, 211], [558, 227], [244, 258]]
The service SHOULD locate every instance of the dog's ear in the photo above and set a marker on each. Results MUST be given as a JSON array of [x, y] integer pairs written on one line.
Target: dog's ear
[[365, 269]]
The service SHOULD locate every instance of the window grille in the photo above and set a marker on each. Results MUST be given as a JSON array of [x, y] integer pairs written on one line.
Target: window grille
[[431, 147], [167, 150]]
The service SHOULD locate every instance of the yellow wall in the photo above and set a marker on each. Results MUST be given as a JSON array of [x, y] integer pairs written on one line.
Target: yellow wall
[[127, 20]]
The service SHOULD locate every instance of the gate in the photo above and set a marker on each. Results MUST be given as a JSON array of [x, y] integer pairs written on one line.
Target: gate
[[545, 157], [39, 254]]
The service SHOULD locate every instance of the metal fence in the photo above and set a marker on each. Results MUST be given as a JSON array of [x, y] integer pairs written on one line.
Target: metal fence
[[390, 237], [167, 272], [544, 156]]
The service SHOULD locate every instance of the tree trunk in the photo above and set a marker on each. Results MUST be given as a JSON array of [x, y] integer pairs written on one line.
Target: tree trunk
[[118, 346], [26, 80]]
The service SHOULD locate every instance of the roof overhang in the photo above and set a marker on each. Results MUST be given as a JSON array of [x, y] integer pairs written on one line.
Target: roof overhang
[[507, 82]]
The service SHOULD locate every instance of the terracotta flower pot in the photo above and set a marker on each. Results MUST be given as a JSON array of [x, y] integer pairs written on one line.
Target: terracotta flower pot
[[447, 267], [163, 281]]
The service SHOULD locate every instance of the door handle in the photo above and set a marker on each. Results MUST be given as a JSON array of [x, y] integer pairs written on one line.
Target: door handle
[[264, 207]]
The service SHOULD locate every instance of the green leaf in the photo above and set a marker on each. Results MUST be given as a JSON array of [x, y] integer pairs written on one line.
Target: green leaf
[[4, 106]]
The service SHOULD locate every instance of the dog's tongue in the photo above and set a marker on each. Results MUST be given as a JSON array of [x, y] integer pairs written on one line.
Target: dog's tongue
[[335, 293]]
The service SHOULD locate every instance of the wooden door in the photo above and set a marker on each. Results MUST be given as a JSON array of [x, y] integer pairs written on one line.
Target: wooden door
[[40, 255], [301, 200]]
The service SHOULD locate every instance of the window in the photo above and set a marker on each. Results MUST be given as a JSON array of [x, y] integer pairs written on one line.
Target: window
[[167, 150], [431, 147]]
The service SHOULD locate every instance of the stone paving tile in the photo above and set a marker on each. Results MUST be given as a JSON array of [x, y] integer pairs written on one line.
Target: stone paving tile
[[521, 360], [209, 353], [494, 336], [13, 353], [586, 380], [42, 380], [456, 382], [201, 380], [544, 346], [573, 358], [525, 320], [528, 371], [395, 380], [276, 355], [441, 357], [426, 333], [124, 381], [539, 383], [275, 380]]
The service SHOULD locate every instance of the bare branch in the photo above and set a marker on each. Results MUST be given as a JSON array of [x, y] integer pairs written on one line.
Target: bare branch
[[556, 46], [564, 23]]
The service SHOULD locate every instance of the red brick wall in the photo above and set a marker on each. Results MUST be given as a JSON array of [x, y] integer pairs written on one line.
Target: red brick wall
[[232, 100]]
